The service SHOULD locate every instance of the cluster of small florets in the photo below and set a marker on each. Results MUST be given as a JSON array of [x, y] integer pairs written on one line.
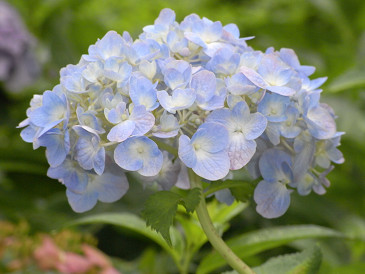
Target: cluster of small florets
[[18, 66], [195, 86]]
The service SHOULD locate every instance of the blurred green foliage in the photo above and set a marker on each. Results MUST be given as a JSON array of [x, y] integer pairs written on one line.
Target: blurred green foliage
[[329, 34]]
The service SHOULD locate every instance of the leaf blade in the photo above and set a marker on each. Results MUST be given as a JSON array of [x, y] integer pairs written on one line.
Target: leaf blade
[[254, 242], [306, 262]]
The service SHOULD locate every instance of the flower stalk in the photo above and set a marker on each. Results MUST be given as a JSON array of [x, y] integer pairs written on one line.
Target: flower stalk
[[217, 242]]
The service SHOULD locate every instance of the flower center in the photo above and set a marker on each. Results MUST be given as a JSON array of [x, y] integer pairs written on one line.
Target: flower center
[[197, 146]]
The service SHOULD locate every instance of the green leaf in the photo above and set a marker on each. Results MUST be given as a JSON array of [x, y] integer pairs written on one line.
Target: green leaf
[[191, 200], [251, 243], [233, 185], [160, 209], [242, 193], [159, 212], [220, 214], [134, 223], [305, 262], [347, 81]]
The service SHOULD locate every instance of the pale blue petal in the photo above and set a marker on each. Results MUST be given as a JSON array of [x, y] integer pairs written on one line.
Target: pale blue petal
[[282, 90], [186, 151], [143, 92], [99, 161], [210, 137], [89, 154], [240, 111], [81, 202], [204, 83], [88, 118], [273, 199], [166, 17], [274, 71], [219, 116], [126, 156], [216, 102], [239, 84], [212, 166], [114, 115], [30, 133], [273, 133], [122, 131], [274, 106], [335, 155], [166, 101], [254, 77], [168, 127], [177, 74], [270, 165], [224, 61], [139, 154], [52, 111], [255, 126], [320, 123], [112, 185], [180, 99], [153, 160], [195, 38], [69, 172], [57, 144], [183, 98], [143, 120], [111, 45], [305, 184], [233, 30]]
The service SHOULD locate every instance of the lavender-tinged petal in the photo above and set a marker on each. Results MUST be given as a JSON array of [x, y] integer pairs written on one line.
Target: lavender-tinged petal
[[272, 199], [270, 164], [320, 123], [143, 120], [240, 151], [122, 131], [254, 77]]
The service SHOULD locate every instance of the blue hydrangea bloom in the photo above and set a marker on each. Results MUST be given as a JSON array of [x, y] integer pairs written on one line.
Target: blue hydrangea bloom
[[195, 85]]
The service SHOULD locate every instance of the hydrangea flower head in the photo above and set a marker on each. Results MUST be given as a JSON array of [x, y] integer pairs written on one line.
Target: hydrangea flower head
[[196, 86]]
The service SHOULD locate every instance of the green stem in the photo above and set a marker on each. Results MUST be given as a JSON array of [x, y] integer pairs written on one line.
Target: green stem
[[217, 242]]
